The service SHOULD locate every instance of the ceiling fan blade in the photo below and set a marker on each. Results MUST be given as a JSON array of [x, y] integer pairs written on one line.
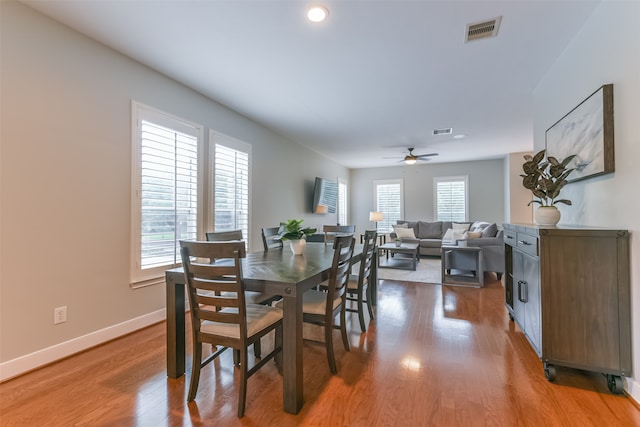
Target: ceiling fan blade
[[426, 155]]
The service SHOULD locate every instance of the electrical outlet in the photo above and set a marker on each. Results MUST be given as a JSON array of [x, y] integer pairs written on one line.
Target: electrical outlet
[[59, 315]]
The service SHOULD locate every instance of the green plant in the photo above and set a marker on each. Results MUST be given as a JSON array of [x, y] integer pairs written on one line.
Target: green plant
[[292, 230], [545, 178]]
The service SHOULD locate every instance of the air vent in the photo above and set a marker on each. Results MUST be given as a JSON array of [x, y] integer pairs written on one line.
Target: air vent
[[483, 30], [447, 131]]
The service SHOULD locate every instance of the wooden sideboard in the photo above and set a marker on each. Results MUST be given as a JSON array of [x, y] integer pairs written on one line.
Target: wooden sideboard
[[568, 289]]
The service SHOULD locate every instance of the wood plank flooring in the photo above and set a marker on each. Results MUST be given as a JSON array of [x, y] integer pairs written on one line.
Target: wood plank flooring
[[435, 356]]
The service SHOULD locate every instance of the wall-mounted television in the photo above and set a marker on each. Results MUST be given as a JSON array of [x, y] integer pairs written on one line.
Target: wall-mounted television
[[325, 196]]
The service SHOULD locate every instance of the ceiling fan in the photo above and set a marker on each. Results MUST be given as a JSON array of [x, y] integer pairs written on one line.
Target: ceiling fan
[[411, 158]]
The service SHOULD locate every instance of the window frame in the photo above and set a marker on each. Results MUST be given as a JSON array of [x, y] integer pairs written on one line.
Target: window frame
[[140, 277], [387, 222], [458, 178]]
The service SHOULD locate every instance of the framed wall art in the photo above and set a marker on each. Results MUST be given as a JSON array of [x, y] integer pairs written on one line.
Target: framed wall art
[[587, 132]]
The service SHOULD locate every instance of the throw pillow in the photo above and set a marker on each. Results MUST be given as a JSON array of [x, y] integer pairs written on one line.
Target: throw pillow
[[460, 227], [448, 236], [490, 231], [404, 233], [473, 234]]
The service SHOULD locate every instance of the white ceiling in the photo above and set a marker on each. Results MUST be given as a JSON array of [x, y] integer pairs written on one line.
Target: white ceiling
[[375, 78]]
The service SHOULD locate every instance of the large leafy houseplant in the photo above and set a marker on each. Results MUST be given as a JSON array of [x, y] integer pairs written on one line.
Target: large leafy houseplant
[[292, 230], [545, 177]]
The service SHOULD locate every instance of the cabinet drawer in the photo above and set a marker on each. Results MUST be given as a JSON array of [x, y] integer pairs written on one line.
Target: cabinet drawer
[[510, 237], [527, 243]]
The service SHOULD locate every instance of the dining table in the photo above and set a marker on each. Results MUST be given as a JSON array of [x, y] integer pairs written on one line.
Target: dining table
[[273, 272]]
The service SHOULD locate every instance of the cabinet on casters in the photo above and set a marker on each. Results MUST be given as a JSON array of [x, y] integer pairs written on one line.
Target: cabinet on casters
[[568, 289]]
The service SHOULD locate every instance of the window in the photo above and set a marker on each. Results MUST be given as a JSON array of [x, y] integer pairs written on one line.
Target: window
[[165, 194], [231, 160], [389, 199], [342, 202], [451, 194]]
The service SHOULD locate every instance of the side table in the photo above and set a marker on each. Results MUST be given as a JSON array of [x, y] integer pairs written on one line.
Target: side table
[[453, 276]]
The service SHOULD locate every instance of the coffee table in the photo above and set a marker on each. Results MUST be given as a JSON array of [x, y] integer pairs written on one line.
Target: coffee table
[[398, 262]]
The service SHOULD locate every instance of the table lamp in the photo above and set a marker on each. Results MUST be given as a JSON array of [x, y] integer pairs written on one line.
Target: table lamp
[[375, 217]]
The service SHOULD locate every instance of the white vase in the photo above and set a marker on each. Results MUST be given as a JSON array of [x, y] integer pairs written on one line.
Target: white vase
[[297, 246], [547, 215]]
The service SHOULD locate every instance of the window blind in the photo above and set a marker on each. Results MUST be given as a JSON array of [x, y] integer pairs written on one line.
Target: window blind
[[168, 193], [451, 200], [231, 194], [389, 202]]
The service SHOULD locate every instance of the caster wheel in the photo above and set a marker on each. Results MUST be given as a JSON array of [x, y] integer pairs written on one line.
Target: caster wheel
[[549, 372], [615, 384]]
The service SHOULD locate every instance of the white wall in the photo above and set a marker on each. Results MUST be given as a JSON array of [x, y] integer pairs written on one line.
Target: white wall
[[517, 196], [65, 185], [486, 190], [606, 50]]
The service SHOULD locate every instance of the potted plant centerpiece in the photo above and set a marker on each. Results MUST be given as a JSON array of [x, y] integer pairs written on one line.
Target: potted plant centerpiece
[[545, 177], [296, 235]]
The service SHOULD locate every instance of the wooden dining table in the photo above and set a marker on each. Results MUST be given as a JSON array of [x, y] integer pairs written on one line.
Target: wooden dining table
[[273, 272]]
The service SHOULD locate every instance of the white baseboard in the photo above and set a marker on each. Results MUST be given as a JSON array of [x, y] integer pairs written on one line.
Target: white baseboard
[[633, 390], [28, 362]]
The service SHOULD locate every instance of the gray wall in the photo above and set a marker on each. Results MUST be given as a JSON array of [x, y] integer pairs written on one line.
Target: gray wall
[[65, 185], [486, 190]]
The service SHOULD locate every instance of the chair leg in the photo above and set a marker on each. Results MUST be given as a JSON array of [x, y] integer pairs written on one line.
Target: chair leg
[[499, 275], [369, 306], [242, 398], [328, 339], [195, 371], [236, 357], [278, 344], [257, 349], [343, 328], [363, 327]]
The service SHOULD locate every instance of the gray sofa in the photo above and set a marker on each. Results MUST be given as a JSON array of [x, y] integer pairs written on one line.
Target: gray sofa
[[429, 236]]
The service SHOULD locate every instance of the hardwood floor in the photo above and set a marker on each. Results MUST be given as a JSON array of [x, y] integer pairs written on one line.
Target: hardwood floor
[[435, 356]]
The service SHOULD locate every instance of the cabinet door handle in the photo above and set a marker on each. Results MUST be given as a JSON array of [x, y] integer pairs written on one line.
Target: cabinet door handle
[[524, 242], [521, 284]]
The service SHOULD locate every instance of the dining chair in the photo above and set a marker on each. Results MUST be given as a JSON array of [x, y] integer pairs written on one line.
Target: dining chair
[[220, 315], [251, 297], [331, 231], [358, 287], [269, 240], [321, 308]]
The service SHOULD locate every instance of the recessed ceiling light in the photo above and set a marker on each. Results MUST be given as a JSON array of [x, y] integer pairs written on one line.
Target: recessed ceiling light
[[317, 13], [458, 136]]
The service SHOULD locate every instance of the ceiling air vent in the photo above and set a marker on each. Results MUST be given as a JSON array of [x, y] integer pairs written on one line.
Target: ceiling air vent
[[483, 30], [447, 131]]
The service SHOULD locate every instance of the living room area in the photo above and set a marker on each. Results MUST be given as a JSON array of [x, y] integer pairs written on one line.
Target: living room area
[[66, 218]]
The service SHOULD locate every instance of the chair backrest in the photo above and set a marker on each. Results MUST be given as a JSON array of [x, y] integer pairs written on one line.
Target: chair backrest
[[331, 231], [224, 236], [340, 269], [368, 251], [269, 235], [214, 287]]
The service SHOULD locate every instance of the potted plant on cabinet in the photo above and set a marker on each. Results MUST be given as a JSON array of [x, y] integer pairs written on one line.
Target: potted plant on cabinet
[[292, 231], [545, 177]]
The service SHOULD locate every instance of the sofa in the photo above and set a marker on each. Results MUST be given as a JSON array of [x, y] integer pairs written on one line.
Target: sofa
[[431, 236]]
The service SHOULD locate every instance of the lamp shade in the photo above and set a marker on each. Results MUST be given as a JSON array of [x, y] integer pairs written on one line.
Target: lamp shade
[[375, 216]]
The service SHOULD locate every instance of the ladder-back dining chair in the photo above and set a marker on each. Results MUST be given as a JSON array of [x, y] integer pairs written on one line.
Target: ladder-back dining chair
[[321, 308], [220, 315], [332, 231], [359, 287], [269, 235]]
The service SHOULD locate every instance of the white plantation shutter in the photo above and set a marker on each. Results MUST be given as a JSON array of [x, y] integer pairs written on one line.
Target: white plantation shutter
[[342, 203], [389, 200], [231, 186], [165, 202], [451, 198]]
